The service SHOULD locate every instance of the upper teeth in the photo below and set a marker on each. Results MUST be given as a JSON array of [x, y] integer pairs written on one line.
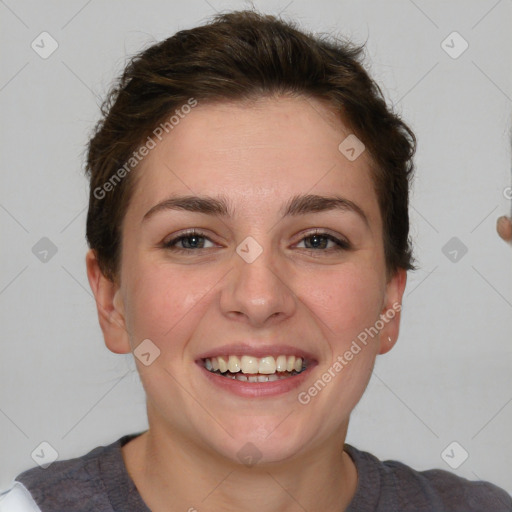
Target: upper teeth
[[250, 364]]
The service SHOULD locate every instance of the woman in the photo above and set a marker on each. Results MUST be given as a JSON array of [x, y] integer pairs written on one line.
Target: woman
[[248, 231]]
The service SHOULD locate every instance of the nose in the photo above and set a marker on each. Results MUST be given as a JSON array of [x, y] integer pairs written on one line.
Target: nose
[[258, 292]]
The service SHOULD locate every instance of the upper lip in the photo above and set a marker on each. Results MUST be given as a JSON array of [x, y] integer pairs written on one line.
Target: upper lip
[[259, 351]]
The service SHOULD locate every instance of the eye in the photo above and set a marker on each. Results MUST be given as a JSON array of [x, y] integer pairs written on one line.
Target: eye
[[190, 241], [196, 240], [319, 240]]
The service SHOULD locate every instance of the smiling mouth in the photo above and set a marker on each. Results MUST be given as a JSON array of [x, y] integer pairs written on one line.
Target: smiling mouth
[[254, 369]]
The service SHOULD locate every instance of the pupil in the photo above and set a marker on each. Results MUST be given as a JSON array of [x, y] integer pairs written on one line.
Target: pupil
[[195, 238], [315, 237]]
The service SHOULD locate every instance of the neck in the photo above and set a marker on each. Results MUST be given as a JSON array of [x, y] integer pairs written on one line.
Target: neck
[[172, 473]]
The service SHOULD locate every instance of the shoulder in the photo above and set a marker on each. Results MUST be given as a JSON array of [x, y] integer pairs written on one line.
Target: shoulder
[[76, 484], [65, 482], [451, 491], [404, 488]]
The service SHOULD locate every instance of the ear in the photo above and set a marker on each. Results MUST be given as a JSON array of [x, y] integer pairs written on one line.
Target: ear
[[110, 306], [391, 311]]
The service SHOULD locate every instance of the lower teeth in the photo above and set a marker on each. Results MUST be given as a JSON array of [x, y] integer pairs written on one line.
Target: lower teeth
[[257, 378]]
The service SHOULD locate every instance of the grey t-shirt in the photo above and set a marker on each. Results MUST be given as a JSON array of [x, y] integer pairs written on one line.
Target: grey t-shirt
[[99, 481]]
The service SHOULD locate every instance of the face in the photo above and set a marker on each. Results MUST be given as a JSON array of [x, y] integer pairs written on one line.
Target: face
[[253, 281]]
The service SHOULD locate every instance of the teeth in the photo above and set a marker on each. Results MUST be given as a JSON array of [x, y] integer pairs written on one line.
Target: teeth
[[267, 365], [252, 365], [249, 364], [223, 364], [281, 364], [234, 364]]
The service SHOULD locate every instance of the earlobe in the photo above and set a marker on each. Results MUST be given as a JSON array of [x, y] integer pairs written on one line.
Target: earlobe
[[390, 315], [109, 305], [385, 345]]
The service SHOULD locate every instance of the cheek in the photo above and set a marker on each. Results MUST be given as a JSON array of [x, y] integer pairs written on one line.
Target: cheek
[[346, 300], [165, 304]]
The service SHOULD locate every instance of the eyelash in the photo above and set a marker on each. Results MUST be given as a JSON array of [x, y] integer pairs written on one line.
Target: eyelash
[[342, 245]]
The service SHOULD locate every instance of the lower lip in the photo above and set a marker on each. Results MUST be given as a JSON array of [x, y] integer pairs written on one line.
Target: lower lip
[[257, 389]]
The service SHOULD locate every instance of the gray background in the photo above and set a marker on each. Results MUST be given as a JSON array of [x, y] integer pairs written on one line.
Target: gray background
[[449, 376]]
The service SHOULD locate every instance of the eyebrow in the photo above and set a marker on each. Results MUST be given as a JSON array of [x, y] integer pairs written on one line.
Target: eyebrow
[[221, 206]]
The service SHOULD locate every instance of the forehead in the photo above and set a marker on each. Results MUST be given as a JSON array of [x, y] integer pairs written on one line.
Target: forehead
[[262, 152]]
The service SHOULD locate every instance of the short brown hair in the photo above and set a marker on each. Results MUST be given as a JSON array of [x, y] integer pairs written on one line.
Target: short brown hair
[[238, 56]]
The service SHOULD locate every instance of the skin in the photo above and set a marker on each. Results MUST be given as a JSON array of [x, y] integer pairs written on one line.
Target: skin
[[504, 228], [259, 155]]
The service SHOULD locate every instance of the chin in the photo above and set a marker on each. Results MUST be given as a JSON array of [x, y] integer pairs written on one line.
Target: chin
[[262, 443]]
